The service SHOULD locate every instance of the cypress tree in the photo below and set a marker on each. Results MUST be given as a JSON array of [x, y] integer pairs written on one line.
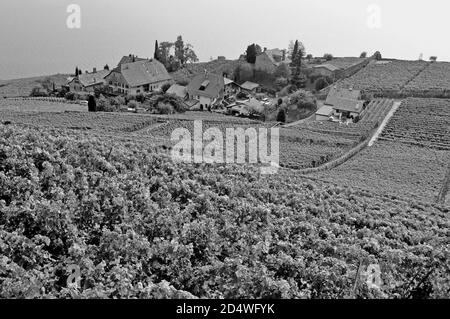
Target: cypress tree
[[156, 54]]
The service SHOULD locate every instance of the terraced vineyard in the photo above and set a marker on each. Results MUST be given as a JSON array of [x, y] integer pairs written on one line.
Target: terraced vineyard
[[384, 78], [377, 110], [422, 122], [433, 81]]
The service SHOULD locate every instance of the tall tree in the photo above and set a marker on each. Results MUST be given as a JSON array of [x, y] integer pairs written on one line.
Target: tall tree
[[179, 50], [156, 54], [251, 54], [164, 52], [294, 52], [76, 71], [189, 55]]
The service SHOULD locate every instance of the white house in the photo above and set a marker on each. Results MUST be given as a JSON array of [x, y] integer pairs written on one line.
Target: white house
[[138, 77], [207, 88]]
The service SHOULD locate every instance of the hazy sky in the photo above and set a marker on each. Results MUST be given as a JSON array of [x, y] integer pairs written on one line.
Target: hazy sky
[[35, 40]]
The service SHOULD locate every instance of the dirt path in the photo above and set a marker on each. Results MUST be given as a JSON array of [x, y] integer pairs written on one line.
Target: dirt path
[[299, 122], [380, 129]]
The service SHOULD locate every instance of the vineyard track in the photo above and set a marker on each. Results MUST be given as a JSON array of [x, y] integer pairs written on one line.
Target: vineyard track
[[384, 123]]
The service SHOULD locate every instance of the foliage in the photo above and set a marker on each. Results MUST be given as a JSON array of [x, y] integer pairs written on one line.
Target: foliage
[[328, 56], [141, 226], [363, 55], [281, 117], [282, 71], [251, 53], [322, 82], [165, 87], [92, 105]]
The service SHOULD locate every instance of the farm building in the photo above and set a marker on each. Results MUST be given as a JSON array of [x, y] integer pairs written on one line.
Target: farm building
[[130, 59], [207, 88], [269, 60], [324, 113], [350, 109], [177, 90], [250, 87], [87, 82], [231, 87], [138, 77], [327, 70], [341, 93]]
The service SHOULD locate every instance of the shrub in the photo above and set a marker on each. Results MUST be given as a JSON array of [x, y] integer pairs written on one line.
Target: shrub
[[38, 92], [322, 83], [92, 105], [70, 96], [132, 104], [183, 82], [165, 87], [140, 98], [328, 56], [281, 117], [281, 82], [164, 108]]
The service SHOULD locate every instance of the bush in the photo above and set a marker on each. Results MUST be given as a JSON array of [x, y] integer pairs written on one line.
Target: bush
[[164, 108], [303, 99], [281, 82], [92, 105], [322, 83], [165, 87], [183, 82], [38, 92], [328, 56], [281, 117], [70, 96], [140, 98], [132, 104]]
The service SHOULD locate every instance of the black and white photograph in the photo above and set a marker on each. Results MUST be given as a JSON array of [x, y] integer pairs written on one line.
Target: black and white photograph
[[224, 156]]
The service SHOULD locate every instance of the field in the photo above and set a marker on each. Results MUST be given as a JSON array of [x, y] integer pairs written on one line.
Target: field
[[22, 106], [422, 122], [23, 87], [140, 226], [383, 78], [435, 79], [394, 169]]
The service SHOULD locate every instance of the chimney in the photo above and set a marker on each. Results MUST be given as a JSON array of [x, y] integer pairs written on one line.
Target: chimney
[[94, 70]]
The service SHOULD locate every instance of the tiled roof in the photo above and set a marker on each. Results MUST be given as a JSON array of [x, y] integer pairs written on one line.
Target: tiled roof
[[341, 93], [325, 110], [88, 79], [249, 86], [212, 90], [349, 105], [130, 59], [177, 90], [144, 72]]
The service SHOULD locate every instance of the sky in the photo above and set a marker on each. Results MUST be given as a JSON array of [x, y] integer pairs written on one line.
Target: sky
[[35, 38]]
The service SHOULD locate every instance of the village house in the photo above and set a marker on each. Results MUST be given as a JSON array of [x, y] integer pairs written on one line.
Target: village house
[[345, 103], [325, 70], [269, 60], [87, 82], [231, 87], [138, 77], [207, 89], [250, 87]]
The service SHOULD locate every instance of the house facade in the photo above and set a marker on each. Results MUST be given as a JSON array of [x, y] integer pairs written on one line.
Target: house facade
[[138, 77], [207, 89]]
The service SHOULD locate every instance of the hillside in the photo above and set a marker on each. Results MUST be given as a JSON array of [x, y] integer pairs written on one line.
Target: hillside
[[23, 87], [140, 225]]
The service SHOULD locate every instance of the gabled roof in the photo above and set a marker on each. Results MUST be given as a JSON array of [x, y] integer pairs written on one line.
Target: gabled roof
[[249, 86], [228, 81], [144, 72], [276, 52], [341, 93], [89, 79], [349, 105], [325, 110], [130, 59], [212, 89], [177, 90]]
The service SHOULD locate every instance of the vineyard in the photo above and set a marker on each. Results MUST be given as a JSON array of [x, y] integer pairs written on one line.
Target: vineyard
[[394, 169], [433, 81], [422, 122], [140, 226], [385, 78]]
